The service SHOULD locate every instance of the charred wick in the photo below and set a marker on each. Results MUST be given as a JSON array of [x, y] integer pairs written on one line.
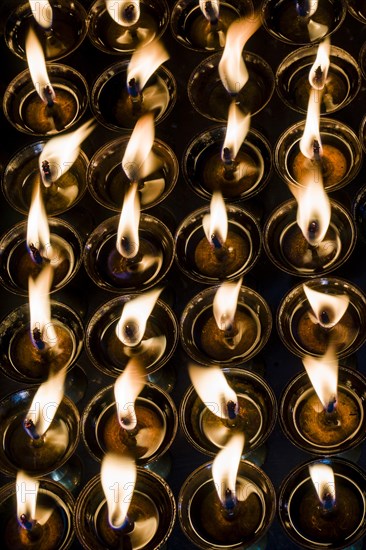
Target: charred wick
[[37, 339], [129, 13], [211, 13], [46, 169], [36, 255]]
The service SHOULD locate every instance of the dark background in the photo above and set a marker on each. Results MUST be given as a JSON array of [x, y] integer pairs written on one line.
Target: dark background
[[277, 364]]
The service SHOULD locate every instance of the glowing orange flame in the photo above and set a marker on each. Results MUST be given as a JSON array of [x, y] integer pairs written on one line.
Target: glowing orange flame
[[38, 233], [311, 140], [232, 70], [319, 71], [314, 208], [328, 309], [126, 389], [323, 374], [213, 389], [322, 477], [124, 12], [131, 327], [145, 61], [46, 402], [37, 66], [61, 152], [225, 303], [139, 147], [26, 492], [225, 467], [128, 228], [118, 477], [237, 128], [28, 512], [42, 12], [40, 307], [215, 223], [313, 7]]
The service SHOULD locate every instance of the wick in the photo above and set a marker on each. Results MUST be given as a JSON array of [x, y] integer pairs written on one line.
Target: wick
[[230, 331], [231, 410], [126, 528], [216, 241], [331, 407], [211, 13], [230, 165], [131, 433], [129, 13], [47, 171], [133, 89], [227, 158], [130, 330], [313, 229], [37, 339], [324, 317], [229, 503], [328, 501], [219, 248], [25, 522], [228, 328], [319, 75], [31, 429], [316, 150], [126, 244], [49, 96], [131, 333], [35, 255]]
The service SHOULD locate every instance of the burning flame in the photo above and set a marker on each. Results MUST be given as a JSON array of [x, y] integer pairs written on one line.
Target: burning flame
[[310, 143], [118, 478], [26, 491], [124, 12], [139, 160], [145, 61], [319, 71], [225, 467], [37, 67], [139, 147], [42, 12], [232, 70], [237, 128], [213, 389], [323, 374], [322, 477], [314, 209], [46, 402], [40, 309], [38, 233], [126, 389], [128, 227], [60, 153], [210, 9], [225, 303], [328, 308], [215, 224], [131, 327]]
